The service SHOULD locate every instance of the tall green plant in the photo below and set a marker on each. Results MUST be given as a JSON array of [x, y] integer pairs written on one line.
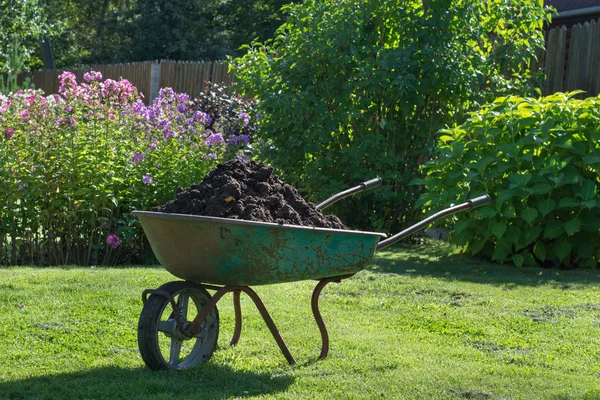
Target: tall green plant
[[540, 162], [353, 89], [15, 63]]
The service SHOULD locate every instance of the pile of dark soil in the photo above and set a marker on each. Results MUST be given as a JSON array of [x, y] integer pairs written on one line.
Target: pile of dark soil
[[249, 191]]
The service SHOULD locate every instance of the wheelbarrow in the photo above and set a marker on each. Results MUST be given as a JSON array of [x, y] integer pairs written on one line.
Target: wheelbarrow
[[179, 323]]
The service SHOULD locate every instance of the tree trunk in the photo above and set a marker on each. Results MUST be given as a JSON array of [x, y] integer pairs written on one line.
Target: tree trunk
[[47, 56]]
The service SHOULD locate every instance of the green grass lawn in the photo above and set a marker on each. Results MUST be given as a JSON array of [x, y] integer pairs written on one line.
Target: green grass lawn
[[417, 324]]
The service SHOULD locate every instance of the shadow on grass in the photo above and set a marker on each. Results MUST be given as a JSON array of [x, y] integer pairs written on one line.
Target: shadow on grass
[[437, 260], [207, 381]]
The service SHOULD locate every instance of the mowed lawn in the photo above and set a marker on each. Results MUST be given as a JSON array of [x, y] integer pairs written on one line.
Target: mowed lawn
[[419, 323]]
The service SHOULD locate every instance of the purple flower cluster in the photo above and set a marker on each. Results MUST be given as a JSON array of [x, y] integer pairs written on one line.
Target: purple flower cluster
[[113, 241], [137, 158], [147, 179]]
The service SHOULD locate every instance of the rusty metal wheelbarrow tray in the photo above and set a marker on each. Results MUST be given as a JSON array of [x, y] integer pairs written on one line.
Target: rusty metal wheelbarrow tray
[[227, 251]]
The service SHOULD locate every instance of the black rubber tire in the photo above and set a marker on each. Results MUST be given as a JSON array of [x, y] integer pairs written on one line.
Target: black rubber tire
[[204, 343]]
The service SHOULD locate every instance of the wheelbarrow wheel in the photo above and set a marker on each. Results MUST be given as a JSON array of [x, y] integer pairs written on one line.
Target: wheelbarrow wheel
[[162, 344]]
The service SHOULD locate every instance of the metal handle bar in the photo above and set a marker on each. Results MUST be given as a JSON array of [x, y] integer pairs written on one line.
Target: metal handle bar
[[473, 203], [370, 184]]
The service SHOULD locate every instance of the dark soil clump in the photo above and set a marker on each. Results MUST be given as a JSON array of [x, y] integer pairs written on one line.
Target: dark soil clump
[[248, 191]]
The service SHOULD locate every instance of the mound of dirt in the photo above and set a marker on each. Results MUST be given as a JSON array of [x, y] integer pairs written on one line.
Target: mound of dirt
[[248, 191]]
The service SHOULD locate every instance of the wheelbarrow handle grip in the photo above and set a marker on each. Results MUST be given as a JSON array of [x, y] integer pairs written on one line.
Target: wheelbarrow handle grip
[[372, 183], [476, 202], [479, 201]]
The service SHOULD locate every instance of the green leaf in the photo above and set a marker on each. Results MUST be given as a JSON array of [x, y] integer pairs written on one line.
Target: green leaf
[[502, 250], [519, 180], [587, 190], [571, 176], [502, 197], [589, 203], [509, 211], [486, 212], [529, 214], [518, 260], [541, 188], [590, 224], [546, 206], [562, 249], [540, 251], [586, 246], [513, 233], [589, 159], [568, 202], [476, 245], [462, 225], [554, 229], [572, 226], [528, 258], [531, 234], [498, 228]]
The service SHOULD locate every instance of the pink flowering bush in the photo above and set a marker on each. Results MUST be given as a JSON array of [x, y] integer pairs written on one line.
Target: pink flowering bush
[[73, 165]]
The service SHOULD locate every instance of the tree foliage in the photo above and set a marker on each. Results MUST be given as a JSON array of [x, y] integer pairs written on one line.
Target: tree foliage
[[352, 89], [114, 31], [25, 21], [540, 162]]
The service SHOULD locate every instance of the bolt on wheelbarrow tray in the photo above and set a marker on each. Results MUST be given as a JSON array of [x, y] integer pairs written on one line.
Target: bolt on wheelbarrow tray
[[179, 323]]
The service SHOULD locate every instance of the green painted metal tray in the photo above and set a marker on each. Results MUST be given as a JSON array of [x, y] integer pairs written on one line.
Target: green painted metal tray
[[226, 251]]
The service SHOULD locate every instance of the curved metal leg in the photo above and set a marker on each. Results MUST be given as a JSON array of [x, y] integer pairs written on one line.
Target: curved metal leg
[[238, 318], [317, 313], [221, 291], [194, 327], [319, 318], [269, 321]]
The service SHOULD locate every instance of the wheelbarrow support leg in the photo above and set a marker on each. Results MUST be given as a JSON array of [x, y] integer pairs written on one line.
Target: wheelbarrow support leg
[[238, 318], [270, 324], [318, 317], [238, 314]]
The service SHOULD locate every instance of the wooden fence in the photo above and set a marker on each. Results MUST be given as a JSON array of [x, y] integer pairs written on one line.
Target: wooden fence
[[148, 77], [191, 77], [572, 59]]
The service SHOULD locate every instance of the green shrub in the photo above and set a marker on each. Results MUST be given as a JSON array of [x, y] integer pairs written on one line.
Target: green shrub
[[354, 89], [540, 162]]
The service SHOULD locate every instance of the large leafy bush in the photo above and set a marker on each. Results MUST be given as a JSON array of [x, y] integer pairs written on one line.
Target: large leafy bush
[[73, 165], [352, 89], [540, 162]]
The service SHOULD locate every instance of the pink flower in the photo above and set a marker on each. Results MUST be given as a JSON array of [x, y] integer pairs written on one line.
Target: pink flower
[[113, 240], [9, 132], [24, 114], [92, 76]]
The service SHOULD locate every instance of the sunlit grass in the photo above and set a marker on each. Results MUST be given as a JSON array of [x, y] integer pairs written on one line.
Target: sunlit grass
[[418, 324]]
